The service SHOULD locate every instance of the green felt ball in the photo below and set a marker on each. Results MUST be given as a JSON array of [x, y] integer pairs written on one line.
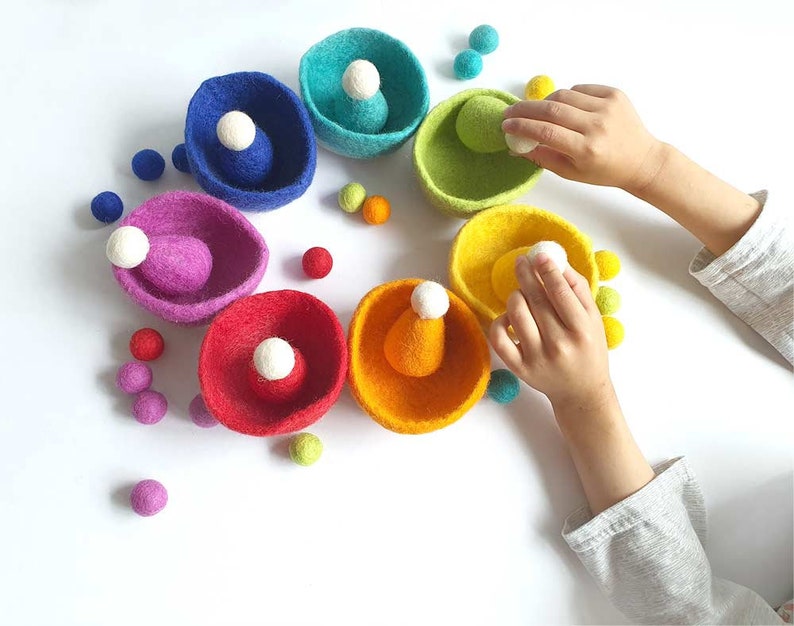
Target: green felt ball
[[479, 124], [608, 300], [468, 64], [503, 386], [351, 197], [305, 448]]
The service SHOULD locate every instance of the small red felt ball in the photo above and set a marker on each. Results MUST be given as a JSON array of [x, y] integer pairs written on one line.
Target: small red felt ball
[[317, 262], [146, 344]]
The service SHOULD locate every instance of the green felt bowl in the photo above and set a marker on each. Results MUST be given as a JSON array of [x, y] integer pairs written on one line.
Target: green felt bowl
[[459, 181]]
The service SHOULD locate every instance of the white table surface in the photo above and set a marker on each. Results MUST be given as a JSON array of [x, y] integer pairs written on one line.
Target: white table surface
[[461, 526]]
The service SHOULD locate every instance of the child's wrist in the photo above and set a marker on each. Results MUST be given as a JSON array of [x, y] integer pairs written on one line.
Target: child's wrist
[[595, 405], [643, 183]]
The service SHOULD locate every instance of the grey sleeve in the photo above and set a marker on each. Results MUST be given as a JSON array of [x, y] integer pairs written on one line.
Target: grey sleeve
[[647, 555], [755, 278]]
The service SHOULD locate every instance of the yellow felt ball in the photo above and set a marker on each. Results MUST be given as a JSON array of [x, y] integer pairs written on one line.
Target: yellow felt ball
[[608, 264], [614, 331], [539, 88], [503, 273], [607, 300], [376, 210], [351, 197]]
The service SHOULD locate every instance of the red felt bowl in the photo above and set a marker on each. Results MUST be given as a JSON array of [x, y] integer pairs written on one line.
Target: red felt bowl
[[309, 325]]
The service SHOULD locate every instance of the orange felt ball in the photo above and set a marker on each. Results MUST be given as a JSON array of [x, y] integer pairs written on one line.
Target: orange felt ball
[[376, 210], [146, 344]]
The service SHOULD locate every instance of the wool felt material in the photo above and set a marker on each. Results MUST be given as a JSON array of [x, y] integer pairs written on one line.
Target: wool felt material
[[376, 210], [479, 124], [362, 116], [239, 255], [236, 130], [520, 145], [309, 325], [503, 273], [149, 407], [146, 344], [430, 300], [305, 449], [317, 262], [107, 207], [179, 158], [415, 346], [351, 197], [148, 497], [361, 80], [274, 358], [279, 390], [133, 377], [608, 264], [148, 164], [607, 300], [459, 181], [200, 414], [538, 88], [484, 39], [127, 247], [177, 264], [467, 64], [615, 333], [503, 387], [492, 234], [551, 249], [403, 85], [408, 404], [247, 168], [278, 112]]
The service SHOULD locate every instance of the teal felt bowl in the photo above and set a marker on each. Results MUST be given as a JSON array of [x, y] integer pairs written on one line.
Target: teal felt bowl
[[459, 181], [403, 84]]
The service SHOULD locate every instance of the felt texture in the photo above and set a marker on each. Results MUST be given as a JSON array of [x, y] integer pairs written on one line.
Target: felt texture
[[488, 236], [148, 497], [408, 404], [317, 262], [248, 168], [127, 247], [177, 264], [608, 264], [146, 344], [236, 130], [362, 116], [484, 39], [538, 88], [403, 85], [430, 300], [520, 145], [361, 80], [614, 331], [503, 273], [351, 197], [607, 300], [107, 207], [133, 377], [308, 325], [415, 346], [305, 449], [503, 386], [479, 124], [467, 64], [376, 210], [200, 414], [278, 112], [459, 181], [149, 407], [239, 255], [179, 158], [279, 390], [148, 164]]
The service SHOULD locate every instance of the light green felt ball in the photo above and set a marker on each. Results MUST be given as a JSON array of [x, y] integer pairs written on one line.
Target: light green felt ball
[[305, 448], [351, 197], [608, 300], [479, 124]]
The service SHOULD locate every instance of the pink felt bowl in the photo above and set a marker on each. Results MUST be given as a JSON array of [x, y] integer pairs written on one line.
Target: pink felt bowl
[[239, 255]]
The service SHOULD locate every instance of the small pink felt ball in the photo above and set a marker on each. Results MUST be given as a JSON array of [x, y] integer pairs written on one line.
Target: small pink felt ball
[[317, 262], [149, 407], [200, 414], [134, 377], [148, 497]]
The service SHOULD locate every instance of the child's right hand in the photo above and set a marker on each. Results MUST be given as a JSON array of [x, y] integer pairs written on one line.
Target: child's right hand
[[590, 134]]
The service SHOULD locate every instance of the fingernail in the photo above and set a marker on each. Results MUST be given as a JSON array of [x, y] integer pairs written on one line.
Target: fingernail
[[541, 258], [521, 261]]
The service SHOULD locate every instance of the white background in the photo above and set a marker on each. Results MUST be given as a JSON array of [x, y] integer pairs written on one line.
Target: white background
[[457, 527]]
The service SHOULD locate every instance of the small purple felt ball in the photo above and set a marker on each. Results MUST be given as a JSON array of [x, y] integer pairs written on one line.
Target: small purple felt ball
[[134, 377], [200, 414], [148, 497], [149, 407]]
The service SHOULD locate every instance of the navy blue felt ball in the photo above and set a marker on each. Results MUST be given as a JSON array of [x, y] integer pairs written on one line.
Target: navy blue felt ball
[[179, 158], [503, 386], [484, 39], [107, 207], [148, 164], [468, 64]]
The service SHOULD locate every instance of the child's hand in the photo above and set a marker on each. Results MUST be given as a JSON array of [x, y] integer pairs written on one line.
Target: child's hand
[[589, 133], [562, 350]]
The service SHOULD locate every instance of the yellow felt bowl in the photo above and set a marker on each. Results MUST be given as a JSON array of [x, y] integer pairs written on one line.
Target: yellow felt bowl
[[481, 263], [406, 404]]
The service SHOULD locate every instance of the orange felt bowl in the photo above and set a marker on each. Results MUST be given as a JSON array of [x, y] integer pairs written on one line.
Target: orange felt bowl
[[491, 234], [307, 324], [407, 404]]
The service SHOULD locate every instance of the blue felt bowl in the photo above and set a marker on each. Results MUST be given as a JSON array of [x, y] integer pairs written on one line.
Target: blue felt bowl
[[278, 111], [403, 84]]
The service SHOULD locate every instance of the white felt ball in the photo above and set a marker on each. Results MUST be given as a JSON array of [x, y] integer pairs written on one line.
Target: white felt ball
[[127, 247], [274, 359], [236, 130], [520, 145], [361, 80], [430, 300], [551, 249]]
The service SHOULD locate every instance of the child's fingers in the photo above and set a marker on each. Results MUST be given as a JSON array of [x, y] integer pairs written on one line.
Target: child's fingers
[[581, 288], [558, 113], [503, 345], [565, 302], [561, 139], [576, 99], [598, 91], [524, 325], [551, 160], [549, 325]]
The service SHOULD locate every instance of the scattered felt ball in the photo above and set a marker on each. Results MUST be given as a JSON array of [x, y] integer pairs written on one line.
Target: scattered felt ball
[[551, 249], [107, 207], [608, 264], [179, 158], [200, 414], [376, 210], [148, 497], [608, 300], [134, 377], [538, 88], [351, 197], [149, 407], [468, 64], [146, 344], [479, 124], [613, 328], [484, 39], [127, 247], [503, 387], [520, 145], [317, 262], [430, 300], [148, 164], [305, 449]]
